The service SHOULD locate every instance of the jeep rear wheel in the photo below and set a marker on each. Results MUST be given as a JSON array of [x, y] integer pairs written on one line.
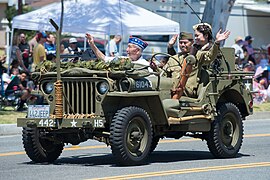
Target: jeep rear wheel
[[39, 149], [131, 135], [226, 135]]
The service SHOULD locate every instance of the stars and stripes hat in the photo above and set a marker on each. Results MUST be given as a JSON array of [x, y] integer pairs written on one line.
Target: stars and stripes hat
[[137, 41]]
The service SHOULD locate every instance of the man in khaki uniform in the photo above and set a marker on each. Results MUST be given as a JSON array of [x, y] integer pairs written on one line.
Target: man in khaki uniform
[[173, 67]]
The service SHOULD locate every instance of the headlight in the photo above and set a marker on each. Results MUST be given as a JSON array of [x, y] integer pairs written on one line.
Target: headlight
[[49, 88], [102, 87]]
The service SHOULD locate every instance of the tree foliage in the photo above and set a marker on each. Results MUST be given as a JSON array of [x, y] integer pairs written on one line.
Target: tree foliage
[[12, 12]]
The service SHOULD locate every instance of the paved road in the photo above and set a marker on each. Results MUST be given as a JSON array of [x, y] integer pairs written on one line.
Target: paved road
[[173, 159]]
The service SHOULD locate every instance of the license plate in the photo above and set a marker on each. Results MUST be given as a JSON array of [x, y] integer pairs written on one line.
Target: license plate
[[38, 111]]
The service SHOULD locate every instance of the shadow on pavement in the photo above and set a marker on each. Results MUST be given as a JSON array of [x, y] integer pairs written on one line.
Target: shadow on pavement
[[97, 159]]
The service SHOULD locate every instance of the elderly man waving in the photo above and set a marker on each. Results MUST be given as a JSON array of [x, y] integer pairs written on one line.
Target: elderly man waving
[[134, 50]]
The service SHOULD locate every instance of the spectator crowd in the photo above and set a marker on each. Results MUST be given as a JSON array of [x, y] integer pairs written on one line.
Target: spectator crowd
[[250, 59]]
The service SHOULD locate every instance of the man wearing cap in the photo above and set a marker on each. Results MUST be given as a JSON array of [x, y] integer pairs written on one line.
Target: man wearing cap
[[248, 45], [183, 38], [39, 54], [172, 68], [72, 48], [134, 50], [238, 51]]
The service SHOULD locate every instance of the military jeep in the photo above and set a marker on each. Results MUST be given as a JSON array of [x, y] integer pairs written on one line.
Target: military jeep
[[125, 110]]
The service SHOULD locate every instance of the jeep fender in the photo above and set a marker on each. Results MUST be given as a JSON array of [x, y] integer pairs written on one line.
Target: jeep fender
[[150, 101]]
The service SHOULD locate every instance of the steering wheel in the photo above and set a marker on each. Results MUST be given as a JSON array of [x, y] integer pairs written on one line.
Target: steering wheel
[[154, 55]]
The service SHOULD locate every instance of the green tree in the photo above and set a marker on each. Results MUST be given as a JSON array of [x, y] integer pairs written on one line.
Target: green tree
[[12, 12]]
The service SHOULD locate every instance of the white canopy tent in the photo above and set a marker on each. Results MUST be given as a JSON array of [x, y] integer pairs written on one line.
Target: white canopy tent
[[107, 17]]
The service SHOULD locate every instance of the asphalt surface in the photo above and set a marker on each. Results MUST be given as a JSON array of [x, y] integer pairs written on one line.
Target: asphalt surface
[[12, 129]]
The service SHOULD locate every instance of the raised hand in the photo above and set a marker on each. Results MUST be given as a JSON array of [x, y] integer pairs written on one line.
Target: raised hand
[[90, 38], [172, 40], [222, 36]]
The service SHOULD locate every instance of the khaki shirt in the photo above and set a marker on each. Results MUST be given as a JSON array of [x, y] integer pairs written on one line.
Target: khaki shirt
[[204, 56]]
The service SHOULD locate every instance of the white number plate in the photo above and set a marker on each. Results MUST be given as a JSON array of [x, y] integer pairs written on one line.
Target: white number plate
[[38, 111]]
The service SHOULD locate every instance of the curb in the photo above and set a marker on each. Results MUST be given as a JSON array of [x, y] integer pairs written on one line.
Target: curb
[[12, 129], [9, 129], [259, 115]]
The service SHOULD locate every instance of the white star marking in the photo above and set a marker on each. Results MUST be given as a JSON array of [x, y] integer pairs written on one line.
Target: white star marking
[[73, 123], [247, 85]]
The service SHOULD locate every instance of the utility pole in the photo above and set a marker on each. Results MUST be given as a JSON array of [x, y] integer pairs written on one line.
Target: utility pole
[[20, 7], [217, 13]]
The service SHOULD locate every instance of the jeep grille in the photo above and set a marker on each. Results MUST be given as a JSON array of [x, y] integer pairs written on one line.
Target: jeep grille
[[81, 97]]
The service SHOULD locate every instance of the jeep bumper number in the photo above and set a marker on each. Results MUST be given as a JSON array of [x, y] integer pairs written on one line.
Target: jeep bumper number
[[39, 116], [64, 123]]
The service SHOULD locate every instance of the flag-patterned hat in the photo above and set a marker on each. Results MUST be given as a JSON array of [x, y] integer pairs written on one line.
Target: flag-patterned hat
[[137, 41]]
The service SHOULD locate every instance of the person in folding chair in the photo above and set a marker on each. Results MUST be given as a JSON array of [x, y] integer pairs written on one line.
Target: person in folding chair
[[19, 87]]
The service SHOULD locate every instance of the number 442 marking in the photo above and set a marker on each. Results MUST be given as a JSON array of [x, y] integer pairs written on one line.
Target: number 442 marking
[[46, 123]]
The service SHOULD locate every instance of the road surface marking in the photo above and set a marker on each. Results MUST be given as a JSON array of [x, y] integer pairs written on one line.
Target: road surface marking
[[72, 148], [186, 171]]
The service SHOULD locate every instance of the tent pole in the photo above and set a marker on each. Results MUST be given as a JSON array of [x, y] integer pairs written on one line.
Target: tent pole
[[9, 48], [84, 43]]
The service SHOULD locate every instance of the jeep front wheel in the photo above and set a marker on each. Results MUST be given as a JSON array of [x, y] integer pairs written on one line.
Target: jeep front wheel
[[39, 149], [131, 135], [226, 135]]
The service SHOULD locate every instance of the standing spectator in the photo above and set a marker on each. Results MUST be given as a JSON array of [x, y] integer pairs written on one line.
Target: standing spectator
[[16, 55], [238, 51], [25, 50], [248, 44], [249, 47], [112, 48], [50, 47], [39, 50], [32, 43]]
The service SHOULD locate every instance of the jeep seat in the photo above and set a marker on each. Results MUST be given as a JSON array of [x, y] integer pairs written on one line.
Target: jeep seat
[[172, 106], [202, 86]]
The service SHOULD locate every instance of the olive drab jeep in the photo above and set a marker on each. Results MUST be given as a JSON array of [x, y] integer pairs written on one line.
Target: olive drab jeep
[[127, 110]]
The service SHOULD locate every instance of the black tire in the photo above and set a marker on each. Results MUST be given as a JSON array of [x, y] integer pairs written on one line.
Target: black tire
[[154, 143], [131, 135], [40, 150], [226, 135]]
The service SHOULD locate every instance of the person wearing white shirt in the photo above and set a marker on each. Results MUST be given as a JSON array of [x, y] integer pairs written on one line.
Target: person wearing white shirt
[[238, 47], [112, 48]]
